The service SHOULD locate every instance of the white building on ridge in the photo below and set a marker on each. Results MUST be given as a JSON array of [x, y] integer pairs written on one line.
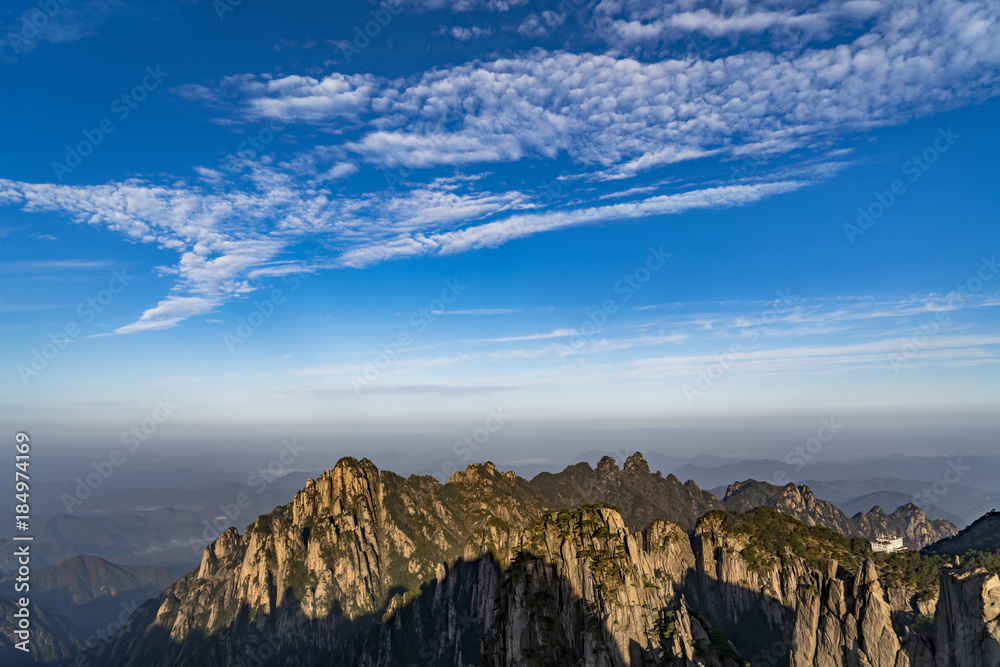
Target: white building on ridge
[[888, 544]]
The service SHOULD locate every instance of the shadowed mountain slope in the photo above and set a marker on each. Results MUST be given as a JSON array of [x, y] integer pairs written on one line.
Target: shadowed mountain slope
[[982, 535], [52, 642]]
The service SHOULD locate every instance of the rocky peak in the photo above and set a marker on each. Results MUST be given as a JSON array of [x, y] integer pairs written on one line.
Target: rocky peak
[[349, 482], [635, 464], [875, 512], [483, 474], [868, 575], [803, 491], [475, 472], [736, 487], [218, 551], [642, 497], [910, 508], [797, 501], [607, 465]]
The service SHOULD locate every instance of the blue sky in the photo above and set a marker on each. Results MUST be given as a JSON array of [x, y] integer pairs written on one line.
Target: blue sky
[[638, 212]]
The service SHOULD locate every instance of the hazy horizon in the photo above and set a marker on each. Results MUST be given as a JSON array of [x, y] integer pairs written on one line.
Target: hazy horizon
[[763, 437]]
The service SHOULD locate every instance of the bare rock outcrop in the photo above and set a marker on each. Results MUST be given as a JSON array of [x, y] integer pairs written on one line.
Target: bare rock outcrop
[[967, 622]]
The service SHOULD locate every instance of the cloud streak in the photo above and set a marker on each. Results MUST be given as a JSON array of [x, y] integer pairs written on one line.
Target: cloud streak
[[493, 234]]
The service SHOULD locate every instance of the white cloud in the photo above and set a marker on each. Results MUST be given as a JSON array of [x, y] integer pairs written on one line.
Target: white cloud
[[305, 98], [631, 22], [219, 238], [168, 313], [493, 234], [420, 151], [481, 311], [629, 115], [50, 265], [464, 34], [227, 241], [558, 333], [339, 171], [55, 23], [540, 24], [461, 6]]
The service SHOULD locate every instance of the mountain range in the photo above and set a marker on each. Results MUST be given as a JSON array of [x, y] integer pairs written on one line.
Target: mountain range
[[591, 566]]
